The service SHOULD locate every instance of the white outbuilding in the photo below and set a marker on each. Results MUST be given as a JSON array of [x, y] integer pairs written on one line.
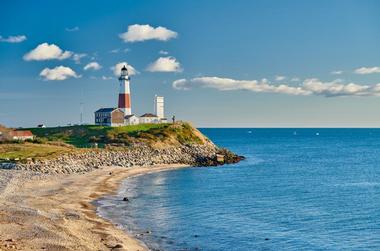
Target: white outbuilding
[[149, 118], [132, 120]]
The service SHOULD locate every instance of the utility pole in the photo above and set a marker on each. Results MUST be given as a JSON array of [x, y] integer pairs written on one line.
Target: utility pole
[[81, 113]]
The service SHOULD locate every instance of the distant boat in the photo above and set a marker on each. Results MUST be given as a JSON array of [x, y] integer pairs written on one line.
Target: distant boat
[[317, 134], [249, 131]]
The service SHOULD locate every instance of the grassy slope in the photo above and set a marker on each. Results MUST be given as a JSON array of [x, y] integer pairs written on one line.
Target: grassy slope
[[151, 134], [30, 150], [83, 136], [155, 135]]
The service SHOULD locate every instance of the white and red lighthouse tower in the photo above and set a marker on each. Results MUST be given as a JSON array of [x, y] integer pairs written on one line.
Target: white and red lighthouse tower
[[124, 93]]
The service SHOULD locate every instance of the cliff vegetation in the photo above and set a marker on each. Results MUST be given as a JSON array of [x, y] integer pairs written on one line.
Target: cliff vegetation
[[55, 140]]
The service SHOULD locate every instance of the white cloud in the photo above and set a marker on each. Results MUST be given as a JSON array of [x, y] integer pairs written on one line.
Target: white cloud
[[142, 32], [182, 84], [309, 87], [58, 73], [227, 84], [106, 78], [76, 28], [78, 56], [336, 72], [295, 79], [165, 64], [337, 88], [115, 51], [13, 39], [162, 52], [367, 70], [47, 52], [280, 78], [126, 50], [117, 69], [92, 66]]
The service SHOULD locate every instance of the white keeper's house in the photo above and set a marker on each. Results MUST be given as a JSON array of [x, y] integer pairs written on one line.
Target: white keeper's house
[[123, 114]]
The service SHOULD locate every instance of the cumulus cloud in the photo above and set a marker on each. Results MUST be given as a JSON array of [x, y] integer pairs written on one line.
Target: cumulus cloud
[[367, 70], [78, 56], [76, 28], [311, 86], [142, 32], [336, 72], [92, 66], [182, 84], [117, 69], [13, 39], [165, 64], [47, 52], [58, 73], [280, 78]]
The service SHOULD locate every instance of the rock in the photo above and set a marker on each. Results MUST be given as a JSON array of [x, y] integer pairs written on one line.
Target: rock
[[125, 199], [141, 155], [72, 216]]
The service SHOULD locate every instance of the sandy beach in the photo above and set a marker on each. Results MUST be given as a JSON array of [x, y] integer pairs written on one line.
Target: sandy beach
[[54, 212]]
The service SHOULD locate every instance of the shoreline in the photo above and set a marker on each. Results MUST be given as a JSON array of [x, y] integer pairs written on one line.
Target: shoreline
[[56, 212]]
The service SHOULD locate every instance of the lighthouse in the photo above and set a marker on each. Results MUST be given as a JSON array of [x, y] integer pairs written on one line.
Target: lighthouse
[[124, 93]]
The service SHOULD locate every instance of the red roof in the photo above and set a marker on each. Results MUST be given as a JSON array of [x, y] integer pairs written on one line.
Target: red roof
[[21, 133]]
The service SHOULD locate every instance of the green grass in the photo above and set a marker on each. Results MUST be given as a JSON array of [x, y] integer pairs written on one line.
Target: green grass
[[29, 150], [49, 141], [85, 135]]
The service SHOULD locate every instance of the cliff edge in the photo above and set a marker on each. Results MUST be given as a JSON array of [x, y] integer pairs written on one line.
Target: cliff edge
[[84, 148]]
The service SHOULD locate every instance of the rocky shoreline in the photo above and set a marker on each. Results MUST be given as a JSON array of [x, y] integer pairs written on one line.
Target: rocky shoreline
[[90, 159], [56, 210]]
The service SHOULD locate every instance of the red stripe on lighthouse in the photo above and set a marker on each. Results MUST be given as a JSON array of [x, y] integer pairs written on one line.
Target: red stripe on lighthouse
[[124, 100]]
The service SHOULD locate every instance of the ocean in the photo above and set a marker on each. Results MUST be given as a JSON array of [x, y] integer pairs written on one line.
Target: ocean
[[298, 189]]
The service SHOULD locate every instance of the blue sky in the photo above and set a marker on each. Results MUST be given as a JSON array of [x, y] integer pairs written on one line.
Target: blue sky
[[223, 63]]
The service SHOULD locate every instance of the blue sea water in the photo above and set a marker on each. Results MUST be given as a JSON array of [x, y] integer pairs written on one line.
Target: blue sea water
[[298, 189]]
